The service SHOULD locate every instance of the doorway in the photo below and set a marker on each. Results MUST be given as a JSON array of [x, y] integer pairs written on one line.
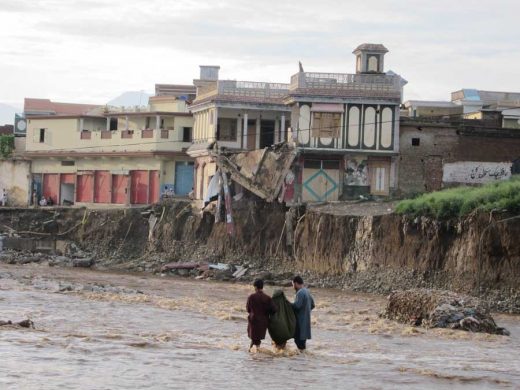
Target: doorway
[[266, 133]]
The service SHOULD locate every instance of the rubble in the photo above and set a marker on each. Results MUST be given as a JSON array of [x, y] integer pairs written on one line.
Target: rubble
[[441, 309], [260, 171], [20, 324]]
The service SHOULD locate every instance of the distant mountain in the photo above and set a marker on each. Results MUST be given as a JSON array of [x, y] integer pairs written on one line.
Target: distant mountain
[[130, 98], [7, 114]]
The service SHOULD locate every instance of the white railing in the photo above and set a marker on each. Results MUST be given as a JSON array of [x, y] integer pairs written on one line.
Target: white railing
[[345, 81]]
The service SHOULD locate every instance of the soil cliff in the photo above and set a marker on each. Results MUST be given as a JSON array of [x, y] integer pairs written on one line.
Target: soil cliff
[[377, 253]]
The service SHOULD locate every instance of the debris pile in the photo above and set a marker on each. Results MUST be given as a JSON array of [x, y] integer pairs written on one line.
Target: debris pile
[[19, 324], [205, 270], [441, 309]]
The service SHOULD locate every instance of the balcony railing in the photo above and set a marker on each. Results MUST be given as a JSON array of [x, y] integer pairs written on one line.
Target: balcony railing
[[244, 89], [339, 82], [147, 133], [86, 134], [127, 134]]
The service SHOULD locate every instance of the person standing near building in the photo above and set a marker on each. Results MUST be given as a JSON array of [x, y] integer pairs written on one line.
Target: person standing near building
[[303, 305], [259, 307], [4, 198]]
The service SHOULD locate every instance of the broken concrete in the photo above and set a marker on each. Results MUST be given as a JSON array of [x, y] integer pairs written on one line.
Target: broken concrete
[[260, 171]]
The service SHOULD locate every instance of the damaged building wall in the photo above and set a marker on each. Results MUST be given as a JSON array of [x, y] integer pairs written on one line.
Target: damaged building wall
[[263, 172], [15, 179]]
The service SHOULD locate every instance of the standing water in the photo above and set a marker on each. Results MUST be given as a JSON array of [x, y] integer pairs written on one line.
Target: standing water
[[97, 330]]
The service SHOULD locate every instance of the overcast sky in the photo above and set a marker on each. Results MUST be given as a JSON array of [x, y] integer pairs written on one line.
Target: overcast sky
[[93, 50]]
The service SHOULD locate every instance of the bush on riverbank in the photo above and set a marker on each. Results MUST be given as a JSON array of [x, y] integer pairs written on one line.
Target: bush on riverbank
[[460, 201]]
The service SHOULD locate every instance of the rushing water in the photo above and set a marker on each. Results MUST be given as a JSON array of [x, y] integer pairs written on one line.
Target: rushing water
[[157, 333]]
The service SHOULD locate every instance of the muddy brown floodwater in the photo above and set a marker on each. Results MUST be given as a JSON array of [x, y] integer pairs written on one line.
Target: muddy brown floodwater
[[100, 330]]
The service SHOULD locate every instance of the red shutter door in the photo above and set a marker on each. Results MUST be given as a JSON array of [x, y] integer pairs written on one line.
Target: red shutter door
[[51, 186], [68, 178], [102, 187], [119, 188], [139, 187], [85, 189]]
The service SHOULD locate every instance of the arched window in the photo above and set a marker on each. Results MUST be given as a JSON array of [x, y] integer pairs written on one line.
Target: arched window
[[373, 64]]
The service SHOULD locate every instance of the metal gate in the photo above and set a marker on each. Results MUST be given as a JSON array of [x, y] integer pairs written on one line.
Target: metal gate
[[183, 178]]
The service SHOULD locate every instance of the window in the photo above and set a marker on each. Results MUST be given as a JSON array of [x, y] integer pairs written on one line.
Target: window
[[42, 135], [227, 129], [186, 134], [68, 163], [416, 141], [113, 124], [326, 124], [373, 63]]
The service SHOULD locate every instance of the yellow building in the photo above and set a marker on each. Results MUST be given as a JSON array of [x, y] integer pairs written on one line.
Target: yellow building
[[84, 154]]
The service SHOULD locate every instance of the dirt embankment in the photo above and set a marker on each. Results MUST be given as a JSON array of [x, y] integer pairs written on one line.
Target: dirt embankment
[[377, 253]]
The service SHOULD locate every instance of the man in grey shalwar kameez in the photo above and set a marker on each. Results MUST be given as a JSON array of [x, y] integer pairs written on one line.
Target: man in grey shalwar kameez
[[303, 304]]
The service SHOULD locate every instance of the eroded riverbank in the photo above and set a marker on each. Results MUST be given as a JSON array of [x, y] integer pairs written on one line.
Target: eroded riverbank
[[116, 330]]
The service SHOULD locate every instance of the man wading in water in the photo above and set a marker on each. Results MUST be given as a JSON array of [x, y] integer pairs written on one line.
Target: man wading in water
[[259, 306], [303, 304]]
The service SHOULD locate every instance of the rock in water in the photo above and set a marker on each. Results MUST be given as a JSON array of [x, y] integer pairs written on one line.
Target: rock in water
[[441, 309]]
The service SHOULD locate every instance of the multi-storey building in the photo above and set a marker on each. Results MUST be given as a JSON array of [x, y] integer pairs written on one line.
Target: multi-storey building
[[346, 128], [236, 115], [107, 155]]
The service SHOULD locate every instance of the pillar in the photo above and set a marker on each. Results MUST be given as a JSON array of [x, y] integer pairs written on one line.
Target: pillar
[[283, 137], [244, 132], [108, 124]]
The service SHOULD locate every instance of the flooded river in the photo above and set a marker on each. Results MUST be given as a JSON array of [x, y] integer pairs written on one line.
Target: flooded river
[[98, 330]]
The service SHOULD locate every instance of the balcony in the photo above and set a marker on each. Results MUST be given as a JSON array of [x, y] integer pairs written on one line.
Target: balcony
[[247, 91], [346, 85]]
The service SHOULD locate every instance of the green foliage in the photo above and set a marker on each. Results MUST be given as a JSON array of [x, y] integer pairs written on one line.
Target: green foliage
[[6, 145], [460, 201]]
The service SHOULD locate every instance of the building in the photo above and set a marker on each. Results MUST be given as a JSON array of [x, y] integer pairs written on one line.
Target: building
[[436, 154], [233, 115], [346, 128], [494, 109], [90, 154]]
